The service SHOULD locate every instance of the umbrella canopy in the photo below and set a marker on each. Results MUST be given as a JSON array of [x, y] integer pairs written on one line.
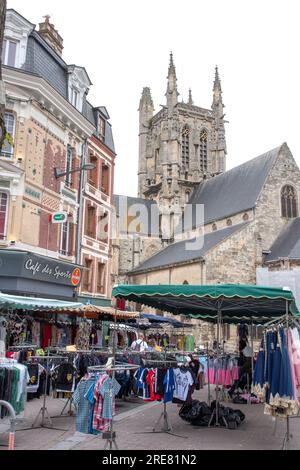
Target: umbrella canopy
[[159, 319], [238, 303]]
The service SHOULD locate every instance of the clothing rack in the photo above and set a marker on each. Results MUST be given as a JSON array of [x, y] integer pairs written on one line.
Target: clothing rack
[[167, 427], [284, 322], [43, 412]]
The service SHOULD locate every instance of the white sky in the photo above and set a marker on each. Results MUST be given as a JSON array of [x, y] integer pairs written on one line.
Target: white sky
[[125, 45]]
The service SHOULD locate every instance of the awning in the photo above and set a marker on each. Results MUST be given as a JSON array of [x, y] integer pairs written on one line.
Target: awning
[[97, 311], [17, 302], [159, 319], [238, 303]]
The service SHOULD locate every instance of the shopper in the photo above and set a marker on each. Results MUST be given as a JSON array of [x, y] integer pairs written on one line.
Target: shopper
[[140, 344]]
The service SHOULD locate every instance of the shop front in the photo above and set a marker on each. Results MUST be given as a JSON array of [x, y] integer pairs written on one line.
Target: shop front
[[29, 274]]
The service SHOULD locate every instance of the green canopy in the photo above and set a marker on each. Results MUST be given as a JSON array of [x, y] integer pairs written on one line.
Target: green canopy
[[17, 302], [238, 303]]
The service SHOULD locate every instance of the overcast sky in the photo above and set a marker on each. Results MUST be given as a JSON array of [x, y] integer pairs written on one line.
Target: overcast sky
[[125, 45]]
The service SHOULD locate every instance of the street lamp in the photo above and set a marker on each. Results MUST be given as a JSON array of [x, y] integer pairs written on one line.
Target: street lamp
[[85, 167], [58, 174]]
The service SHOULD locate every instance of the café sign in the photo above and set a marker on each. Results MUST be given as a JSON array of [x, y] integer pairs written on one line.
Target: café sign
[[52, 271]]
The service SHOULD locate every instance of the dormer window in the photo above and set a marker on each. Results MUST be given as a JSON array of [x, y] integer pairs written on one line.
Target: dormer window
[[74, 97], [9, 52]]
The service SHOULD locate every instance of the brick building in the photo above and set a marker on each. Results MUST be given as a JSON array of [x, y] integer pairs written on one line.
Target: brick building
[[53, 125]]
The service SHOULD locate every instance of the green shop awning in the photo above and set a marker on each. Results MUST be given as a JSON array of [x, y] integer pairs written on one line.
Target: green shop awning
[[238, 303], [17, 302]]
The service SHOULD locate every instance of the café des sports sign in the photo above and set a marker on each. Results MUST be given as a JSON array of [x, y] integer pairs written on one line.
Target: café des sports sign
[[39, 268]]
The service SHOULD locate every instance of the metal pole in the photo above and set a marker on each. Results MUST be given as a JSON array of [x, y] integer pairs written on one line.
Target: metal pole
[[287, 345], [208, 378], [217, 383], [11, 442]]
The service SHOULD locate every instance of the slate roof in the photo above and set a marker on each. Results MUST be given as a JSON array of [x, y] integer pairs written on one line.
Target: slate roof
[[178, 252], [43, 61], [287, 244], [234, 191], [150, 206]]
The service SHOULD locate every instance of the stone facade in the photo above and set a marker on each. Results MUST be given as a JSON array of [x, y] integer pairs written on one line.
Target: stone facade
[[179, 146]]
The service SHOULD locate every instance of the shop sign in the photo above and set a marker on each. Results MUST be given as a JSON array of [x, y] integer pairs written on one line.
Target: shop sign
[[76, 277], [52, 271], [58, 217]]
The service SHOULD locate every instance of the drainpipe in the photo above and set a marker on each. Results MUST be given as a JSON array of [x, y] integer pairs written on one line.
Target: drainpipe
[[80, 203]]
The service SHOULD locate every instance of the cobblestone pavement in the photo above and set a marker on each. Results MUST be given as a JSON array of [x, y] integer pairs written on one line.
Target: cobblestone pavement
[[134, 422]]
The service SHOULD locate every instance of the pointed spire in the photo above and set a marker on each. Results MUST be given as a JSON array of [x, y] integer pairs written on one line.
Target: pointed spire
[[190, 101], [172, 93], [217, 91], [146, 98], [171, 64], [217, 82]]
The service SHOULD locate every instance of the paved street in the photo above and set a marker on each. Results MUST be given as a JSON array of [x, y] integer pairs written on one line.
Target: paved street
[[134, 424]]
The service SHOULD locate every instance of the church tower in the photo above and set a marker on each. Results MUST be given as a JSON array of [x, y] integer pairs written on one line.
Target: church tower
[[179, 146]]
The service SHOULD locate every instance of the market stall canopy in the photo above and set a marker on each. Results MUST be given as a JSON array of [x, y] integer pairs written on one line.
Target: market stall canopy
[[98, 310], [17, 302], [159, 319], [238, 303]]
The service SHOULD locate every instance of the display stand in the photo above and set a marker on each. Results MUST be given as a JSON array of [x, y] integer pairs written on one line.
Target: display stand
[[43, 414], [215, 413], [167, 426]]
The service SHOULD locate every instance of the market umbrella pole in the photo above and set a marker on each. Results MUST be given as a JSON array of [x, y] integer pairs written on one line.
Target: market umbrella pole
[[287, 436], [110, 435]]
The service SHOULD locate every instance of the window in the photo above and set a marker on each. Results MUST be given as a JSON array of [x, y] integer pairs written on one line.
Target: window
[[257, 332], [7, 149], [9, 52], [185, 283], [203, 150], [3, 214], [68, 180], [93, 174], [101, 278], [214, 227], [90, 228], [74, 97], [101, 127], [105, 179], [229, 222], [65, 238], [87, 277], [226, 332], [289, 202], [185, 144]]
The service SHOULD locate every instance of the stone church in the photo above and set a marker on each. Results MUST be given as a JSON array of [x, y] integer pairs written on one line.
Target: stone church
[[250, 219]]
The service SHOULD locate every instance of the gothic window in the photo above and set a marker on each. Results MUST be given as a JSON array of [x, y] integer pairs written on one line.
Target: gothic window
[[185, 147], [203, 150], [245, 217], [229, 222], [214, 227], [289, 202]]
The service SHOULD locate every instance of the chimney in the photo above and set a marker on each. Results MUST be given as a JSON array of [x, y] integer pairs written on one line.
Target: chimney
[[51, 36]]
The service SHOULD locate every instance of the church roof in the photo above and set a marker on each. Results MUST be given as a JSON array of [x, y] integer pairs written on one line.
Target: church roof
[[234, 191], [180, 253], [150, 216], [287, 244]]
